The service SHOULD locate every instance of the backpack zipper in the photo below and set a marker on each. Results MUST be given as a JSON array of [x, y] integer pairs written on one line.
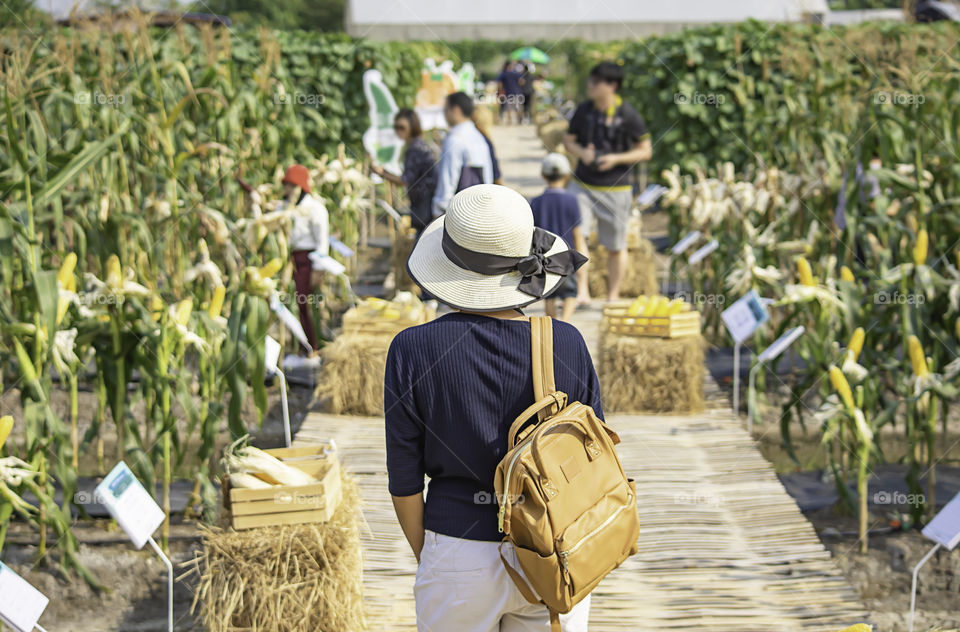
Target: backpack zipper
[[565, 554]]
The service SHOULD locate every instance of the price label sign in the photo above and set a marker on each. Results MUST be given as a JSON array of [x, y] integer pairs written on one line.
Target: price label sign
[[134, 509], [684, 244], [702, 253], [945, 526], [744, 316], [20, 603]]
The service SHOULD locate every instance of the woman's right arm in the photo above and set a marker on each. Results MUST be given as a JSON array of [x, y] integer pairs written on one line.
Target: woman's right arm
[[405, 446]]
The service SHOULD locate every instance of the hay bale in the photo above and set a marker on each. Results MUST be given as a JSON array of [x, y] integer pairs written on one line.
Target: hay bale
[[352, 370], [640, 277], [640, 374], [284, 579], [551, 134]]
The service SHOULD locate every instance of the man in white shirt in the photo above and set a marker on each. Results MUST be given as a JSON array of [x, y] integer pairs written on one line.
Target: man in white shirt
[[310, 234], [465, 158]]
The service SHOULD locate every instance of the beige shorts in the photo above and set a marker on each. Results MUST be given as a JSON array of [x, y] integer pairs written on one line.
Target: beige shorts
[[462, 586], [608, 210]]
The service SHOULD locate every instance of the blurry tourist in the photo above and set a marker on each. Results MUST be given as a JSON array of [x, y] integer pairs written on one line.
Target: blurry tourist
[[557, 211], [608, 138], [465, 158], [310, 234], [419, 168]]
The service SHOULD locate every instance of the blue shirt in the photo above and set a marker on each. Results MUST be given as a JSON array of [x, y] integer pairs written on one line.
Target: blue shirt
[[556, 210], [511, 81], [452, 388]]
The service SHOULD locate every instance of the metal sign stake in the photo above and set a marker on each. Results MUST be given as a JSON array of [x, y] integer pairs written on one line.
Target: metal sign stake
[[169, 565]]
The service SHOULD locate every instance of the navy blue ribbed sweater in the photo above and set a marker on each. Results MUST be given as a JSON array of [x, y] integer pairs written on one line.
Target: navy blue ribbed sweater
[[453, 386]]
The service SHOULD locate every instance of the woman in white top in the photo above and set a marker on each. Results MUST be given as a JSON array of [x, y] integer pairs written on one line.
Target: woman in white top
[[310, 233]]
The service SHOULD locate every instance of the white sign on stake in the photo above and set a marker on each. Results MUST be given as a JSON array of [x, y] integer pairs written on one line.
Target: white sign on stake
[[744, 316], [705, 250], [944, 529], [20, 603], [134, 509], [685, 243]]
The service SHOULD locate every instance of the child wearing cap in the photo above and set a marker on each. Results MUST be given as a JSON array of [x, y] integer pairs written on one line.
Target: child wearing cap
[[558, 211]]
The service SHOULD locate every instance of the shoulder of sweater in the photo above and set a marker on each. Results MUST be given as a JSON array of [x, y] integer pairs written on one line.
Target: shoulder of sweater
[[566, 331]]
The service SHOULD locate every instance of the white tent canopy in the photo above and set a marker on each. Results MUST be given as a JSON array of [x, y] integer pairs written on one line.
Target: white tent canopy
[[557, 19]]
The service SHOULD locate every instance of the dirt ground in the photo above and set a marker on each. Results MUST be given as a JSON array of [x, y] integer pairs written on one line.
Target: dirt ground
[[135, 599], [882, 576]]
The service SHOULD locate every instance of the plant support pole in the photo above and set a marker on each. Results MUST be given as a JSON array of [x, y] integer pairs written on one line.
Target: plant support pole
[[736, 379], [751, 385], [169, 565]]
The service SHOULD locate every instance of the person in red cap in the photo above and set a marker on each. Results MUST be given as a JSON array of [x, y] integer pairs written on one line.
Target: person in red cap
[[310, 234]]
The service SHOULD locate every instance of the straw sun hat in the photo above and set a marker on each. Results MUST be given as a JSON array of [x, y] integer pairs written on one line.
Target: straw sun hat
[[486, 255]]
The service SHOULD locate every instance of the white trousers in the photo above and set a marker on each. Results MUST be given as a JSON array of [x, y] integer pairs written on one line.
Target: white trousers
[[462, 586]]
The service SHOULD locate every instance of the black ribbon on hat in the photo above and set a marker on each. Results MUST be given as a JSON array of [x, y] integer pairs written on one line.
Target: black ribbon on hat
[[533, 267]]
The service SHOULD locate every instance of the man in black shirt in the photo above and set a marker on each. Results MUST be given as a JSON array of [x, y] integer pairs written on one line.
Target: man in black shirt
[[608, 137]]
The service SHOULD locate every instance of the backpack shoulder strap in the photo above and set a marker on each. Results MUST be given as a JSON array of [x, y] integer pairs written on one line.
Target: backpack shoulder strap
[[541, 347]]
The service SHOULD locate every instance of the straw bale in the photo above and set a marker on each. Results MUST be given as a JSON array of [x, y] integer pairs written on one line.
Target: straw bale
[[639, 374], [351, 374], [641, 274], [284, 578]]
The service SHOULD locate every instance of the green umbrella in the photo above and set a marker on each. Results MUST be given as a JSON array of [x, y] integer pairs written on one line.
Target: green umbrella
[[530, 53]]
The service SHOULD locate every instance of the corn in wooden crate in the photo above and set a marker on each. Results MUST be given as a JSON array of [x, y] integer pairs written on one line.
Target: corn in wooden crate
[[289, 504], [616, 320]]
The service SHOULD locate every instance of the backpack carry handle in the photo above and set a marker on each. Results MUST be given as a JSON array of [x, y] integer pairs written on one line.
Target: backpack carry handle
[[555, 398]]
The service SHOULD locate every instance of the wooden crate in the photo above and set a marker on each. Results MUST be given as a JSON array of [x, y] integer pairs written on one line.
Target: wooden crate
[[289, 504], [617, 321]]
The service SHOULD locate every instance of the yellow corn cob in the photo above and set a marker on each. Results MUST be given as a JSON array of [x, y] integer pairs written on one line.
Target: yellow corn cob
[[956, 326], [183, 310], [841, 385], [675, 306], [856, 342], [858, 627], [216, 303], [114, 273], [6, 425], [804, 272], [657, 306], [917, 359], [65, 276], [846, 274], [637, 306], [920, 248], [271, 268]]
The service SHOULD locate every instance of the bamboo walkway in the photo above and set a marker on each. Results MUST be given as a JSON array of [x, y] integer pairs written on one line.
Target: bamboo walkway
[[722, 546]]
